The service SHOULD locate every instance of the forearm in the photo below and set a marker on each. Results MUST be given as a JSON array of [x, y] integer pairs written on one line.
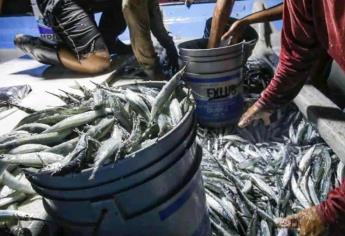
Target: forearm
[[158, 29], [271, 14], [93, 63], [219, 20], [332, 209], [294, 67], [288, 80], [299, 51]]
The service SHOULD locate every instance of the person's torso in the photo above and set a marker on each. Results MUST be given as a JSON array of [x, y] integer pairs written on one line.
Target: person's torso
[[329, 22]]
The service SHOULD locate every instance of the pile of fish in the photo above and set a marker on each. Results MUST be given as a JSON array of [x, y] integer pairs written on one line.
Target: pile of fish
[[102, 126], [253, 176], [98, 128], [10, 97], [15, 190], [258, 74]]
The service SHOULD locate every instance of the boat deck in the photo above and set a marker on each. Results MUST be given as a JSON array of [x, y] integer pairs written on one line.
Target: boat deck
[[42, 78]]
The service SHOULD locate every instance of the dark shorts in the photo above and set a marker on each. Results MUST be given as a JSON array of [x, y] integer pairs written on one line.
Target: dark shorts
[[76, 28]]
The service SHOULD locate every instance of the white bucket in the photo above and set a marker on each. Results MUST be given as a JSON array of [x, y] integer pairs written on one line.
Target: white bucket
[[215, 77], [210, 65]]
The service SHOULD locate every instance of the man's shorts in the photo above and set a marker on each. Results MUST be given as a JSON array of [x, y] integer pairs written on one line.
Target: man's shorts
[[76, 28]]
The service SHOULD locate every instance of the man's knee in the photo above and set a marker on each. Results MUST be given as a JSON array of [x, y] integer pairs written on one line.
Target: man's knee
[[128, 4], [130, 7], [96, 63]]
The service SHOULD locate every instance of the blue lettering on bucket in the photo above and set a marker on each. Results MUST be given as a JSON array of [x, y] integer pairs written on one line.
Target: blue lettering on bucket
[[222, 92], [178, 203], [45, 29], [47, 33], [219, 110], [213, 80]]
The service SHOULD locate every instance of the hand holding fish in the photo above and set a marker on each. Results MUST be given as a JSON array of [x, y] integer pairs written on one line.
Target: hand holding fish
[[254, 113], [307, 222]]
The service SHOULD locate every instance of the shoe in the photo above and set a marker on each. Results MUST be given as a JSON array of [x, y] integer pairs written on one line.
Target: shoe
[[38, 49]]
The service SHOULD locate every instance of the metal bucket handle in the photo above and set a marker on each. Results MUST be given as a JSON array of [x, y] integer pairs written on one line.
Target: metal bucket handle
[[247, 48]]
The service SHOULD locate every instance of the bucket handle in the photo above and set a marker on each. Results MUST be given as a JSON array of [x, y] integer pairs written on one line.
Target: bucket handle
[[247, 47]]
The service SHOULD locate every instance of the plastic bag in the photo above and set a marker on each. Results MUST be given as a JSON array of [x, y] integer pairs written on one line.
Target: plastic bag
[[13, 94]]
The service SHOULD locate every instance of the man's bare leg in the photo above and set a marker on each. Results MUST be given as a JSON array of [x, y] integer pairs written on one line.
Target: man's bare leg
[[93, 63], [136, 14], [159, 31], [90, 63]]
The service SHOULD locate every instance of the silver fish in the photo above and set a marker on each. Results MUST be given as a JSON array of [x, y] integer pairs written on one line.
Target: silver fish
[[9, 180], [165, 93], [108, 148]]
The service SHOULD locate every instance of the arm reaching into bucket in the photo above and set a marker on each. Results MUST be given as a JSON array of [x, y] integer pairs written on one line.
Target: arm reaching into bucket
[[309, 29], [219, 20], [237, 28]]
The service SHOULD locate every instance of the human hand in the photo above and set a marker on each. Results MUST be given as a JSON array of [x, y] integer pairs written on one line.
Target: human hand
[[307, 222], [236, 31], [254, 113], [173, 60]]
